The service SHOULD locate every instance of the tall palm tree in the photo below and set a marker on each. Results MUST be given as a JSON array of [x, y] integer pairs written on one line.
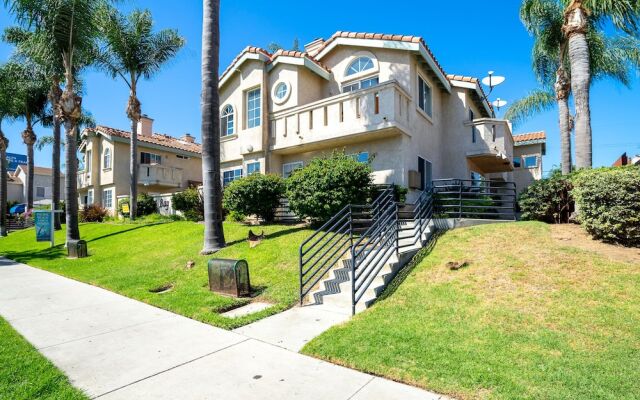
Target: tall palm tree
[[28, 44], [7, 110], [69, 28], [130, 50], [582, 17], [210, 130], [610, 58], [31, 96]]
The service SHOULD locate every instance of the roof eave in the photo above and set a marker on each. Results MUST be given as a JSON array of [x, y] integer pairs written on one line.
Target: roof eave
[[233, 67], [301, 61]]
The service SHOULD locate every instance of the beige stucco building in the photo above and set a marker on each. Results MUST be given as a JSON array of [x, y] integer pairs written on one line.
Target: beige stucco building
[[383, 98], [166, 164], [18, 184], [527, 152]]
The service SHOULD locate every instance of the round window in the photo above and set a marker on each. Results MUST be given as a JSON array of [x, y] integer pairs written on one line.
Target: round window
[[281, 90]]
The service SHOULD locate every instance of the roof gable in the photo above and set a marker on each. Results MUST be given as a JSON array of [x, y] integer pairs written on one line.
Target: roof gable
[[165, 142]]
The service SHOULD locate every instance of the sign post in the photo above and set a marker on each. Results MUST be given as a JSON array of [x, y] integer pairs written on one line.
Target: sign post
[[43, 221]]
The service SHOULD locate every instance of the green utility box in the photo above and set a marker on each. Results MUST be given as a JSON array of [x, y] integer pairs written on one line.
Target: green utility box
[[77, 248], [229, 277]]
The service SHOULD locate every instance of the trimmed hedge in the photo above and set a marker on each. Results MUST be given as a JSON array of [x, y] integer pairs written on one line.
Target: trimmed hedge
[[324, 186], [146, 205], [190, 203], [608, 201], [255, 194]]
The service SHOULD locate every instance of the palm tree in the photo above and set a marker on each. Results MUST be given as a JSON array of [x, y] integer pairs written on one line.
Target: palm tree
[[582, 17], [69, 29], [610, 58], [130, 50], [28, 44], [7, 110], [30, 93], [210, 130]]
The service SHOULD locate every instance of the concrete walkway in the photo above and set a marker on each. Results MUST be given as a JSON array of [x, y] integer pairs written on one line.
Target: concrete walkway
[[114, 347]]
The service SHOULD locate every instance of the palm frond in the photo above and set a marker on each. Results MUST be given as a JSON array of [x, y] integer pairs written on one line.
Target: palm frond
[[534, 103]]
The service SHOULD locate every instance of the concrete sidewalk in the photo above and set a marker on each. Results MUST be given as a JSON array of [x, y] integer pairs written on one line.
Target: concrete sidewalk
[[114, 347]]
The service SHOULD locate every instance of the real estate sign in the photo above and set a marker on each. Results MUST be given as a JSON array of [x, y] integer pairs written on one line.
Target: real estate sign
[[43, 221], [14, 160]]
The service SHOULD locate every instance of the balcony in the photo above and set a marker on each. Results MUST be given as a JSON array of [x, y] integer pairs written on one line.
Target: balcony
[[84, 179], [493, 150], [159, 175], [376, 112]]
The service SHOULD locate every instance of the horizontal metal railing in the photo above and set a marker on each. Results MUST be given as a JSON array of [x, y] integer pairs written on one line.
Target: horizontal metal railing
[[478, 199]]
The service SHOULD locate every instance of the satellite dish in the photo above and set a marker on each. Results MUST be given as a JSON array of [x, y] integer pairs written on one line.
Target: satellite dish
[[493, 81], [499, 103]]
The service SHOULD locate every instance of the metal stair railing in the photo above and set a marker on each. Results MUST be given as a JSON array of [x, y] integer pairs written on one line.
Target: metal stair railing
[[466, 198], [423, 212], [371, 252]]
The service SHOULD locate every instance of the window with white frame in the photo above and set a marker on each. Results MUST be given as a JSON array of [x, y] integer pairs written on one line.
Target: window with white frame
[[253, 108], [40, 191], [90, 197], [474, 131], [530, 161], [87, 161], [424, 97], [150, 158], [361, 84], [107, 198], [106, 158], [516, 162], [230, 176], [226, 121], [281, 90], [358, 65], [253, 168], [288, 168]]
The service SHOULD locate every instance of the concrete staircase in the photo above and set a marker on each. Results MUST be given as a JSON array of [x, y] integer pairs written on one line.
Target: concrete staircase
[[334, 292]]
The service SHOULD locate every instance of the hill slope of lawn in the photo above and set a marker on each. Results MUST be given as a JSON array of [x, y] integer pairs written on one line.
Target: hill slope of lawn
[[134, 259], [25, 373], [539, 313]]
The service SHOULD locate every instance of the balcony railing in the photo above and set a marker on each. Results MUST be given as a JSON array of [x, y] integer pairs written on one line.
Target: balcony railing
[[379, 108], [159, 175], [84, 179]]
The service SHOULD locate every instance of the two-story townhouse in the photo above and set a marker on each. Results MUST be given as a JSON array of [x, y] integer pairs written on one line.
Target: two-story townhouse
[[383, 98], [42, 184], [527, 158], [165, 164]]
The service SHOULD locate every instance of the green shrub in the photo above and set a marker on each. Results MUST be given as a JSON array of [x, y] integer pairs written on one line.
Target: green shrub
[[548, 200], [236, 216], [190, 203], [608, 201], [146, 205], [323, 187], [255, 194], [93, 213]]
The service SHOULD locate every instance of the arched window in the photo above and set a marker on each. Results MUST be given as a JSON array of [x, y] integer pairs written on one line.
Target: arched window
[[360, 64], [106, 158], [226, 121]]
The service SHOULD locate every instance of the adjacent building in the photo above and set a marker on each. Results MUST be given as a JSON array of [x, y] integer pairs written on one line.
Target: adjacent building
[[166, 164], [626, 160], [527, 158], [382, 98], [18, 184]]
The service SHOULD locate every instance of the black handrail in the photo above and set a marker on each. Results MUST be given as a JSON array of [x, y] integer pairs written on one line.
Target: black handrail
[[483, 199]]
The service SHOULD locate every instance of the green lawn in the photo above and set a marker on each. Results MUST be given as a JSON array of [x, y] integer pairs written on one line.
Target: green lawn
[[26, 374], [533, 316], [132, 259]]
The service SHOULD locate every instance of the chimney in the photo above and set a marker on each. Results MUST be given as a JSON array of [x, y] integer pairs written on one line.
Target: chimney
[[145, 126], [314, 46], [188, 138]]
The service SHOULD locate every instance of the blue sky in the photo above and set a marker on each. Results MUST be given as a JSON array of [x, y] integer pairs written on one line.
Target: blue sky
[[468, 37]]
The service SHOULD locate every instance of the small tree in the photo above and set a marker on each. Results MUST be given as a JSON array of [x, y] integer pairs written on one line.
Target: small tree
[[256, 194], [548, 200], [189, 203], [319, 190]]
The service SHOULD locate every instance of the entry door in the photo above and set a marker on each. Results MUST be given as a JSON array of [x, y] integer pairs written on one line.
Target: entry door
[[424, 168]]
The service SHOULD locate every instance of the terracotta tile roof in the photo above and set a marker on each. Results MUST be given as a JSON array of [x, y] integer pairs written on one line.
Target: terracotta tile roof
[[381, 36], [470, 79], [271, 57], [527, 137], [298, 54], [156, 138]]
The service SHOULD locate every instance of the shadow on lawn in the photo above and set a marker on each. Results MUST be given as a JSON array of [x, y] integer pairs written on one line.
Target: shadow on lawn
[[135, 227], [273, 235], [50, 253], [415, 261]]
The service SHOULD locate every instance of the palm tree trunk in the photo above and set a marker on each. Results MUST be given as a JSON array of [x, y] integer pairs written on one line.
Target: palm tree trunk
[[3, 184], [133, 170], [210, 130], [71, 182], [562, 87], [30, 176], [576, 30], [54, 96]]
